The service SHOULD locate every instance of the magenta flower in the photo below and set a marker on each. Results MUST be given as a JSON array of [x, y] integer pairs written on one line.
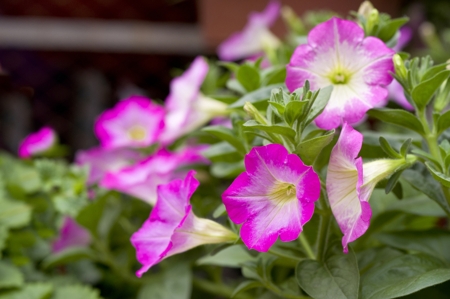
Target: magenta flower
[[187, 109], [350, 183], [71, 235], [134, 122], [254, 37], [37, 143], [173, 228], [140, 180], [358, 68], [274, 197], [101, 160]]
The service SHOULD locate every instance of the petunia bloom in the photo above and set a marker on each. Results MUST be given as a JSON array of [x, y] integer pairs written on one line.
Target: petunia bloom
[[254, 37], [141, 180], [173, 228], [274, 197], [358, 68], [134, 122], [71, 235], [350, 183], [187, 109], [37, 143], [101, 161]]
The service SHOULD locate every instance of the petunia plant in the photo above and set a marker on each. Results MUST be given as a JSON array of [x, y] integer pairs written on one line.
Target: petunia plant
[[315, 166]]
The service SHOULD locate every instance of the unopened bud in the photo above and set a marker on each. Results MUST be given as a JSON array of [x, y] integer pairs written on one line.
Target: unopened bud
[[399, 67], [254, 113], [372, 20], [365, 8]]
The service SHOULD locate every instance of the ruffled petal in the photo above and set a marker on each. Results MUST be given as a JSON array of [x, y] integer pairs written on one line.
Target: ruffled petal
[[38, 142]]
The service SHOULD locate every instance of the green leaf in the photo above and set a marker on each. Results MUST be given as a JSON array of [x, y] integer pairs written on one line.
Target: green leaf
[[319, 104], [426, 156], [275, 76], [259, 95], [443, 122], [336, 277], [221, 152], [219, 211], [227, 170], [388, 31], [76, 292], [10, 276], [401, 276], [294, 110], [14, 214], [246, 285], [398, 117], [310, 149], [90, 216], [233, 257], [422, 93], [392, 185], [227, 135], [405, 147], [420, 205], [175, 282], [69, 255], [433, 242], [271, 129], [249, 77], [438, 176], [4, 233], [387, 148], [31, 291]]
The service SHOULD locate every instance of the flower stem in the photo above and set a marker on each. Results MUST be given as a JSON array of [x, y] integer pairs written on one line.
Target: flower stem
[[217, 289], [305, 244]]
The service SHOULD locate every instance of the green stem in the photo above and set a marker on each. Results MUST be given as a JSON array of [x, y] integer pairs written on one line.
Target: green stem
[[305, 244], [322, 241], [217, 289], [282, 255]]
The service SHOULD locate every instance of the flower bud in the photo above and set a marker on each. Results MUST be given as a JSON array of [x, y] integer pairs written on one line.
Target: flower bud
[[400, 68], [254, 113]]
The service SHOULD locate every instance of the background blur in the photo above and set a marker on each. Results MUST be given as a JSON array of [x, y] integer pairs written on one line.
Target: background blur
[[64, 61]]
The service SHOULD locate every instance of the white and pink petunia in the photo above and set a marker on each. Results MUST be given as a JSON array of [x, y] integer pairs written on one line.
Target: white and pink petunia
[[141, 179], [173, 228], [187, 108], [101, 161], [338, 54], [274, 197], [134, 122], [254, 37], [350, 183], [37, 143], [71, 235]]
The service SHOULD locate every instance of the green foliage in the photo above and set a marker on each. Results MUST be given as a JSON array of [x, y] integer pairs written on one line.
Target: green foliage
[[398, 117]]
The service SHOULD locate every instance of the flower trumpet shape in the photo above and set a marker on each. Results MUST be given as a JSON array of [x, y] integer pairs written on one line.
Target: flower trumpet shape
[[134, 122], [37, 143], [172, 226], [187, 109], [350, 183], [255, 36], [358, 68], [274, 197]]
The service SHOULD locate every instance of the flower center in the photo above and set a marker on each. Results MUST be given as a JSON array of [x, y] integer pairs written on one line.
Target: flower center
[[137, 133], [339, 76], [283, 192]]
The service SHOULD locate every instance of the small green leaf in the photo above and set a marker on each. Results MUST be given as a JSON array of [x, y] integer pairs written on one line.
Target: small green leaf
[[272, 129], [246, 285], [69, 255], [259, 95], [233, 257], [424, 155], [319, 104], [392, 183], [221, 152], [10, 276], [443, 122], [76, 292], [388, 31], [294, 110], [310, 149], [336, 277], [423, 92], [227, 135], [405, 147], [90, 216], [420, 205], [4, 233], [401, 276], [387, 148], [398, 117], [14, 214], [32, 291], [438, 176], [249, 77], [227, 170], [275, 75]]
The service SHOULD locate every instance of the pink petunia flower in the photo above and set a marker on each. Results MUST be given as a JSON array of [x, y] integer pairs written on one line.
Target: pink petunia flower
[[358, 68], [134, 122], [254, 37], [71, 235], [101, 160], [187, 109], [37, 143], [141, 180], [350, 183], [274, 197], [173, 228]]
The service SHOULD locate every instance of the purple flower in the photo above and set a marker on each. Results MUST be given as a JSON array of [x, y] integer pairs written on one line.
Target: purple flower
[[358, 68], [187, 109], [173, 228], [254, 37], [397, 93], [141, 180], [134, 122], [37, 143], [274, 197], [101, 161], [71, 235], [350, 183]]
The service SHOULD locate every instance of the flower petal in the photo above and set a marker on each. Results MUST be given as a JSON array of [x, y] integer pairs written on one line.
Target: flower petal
[[38, 142]]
